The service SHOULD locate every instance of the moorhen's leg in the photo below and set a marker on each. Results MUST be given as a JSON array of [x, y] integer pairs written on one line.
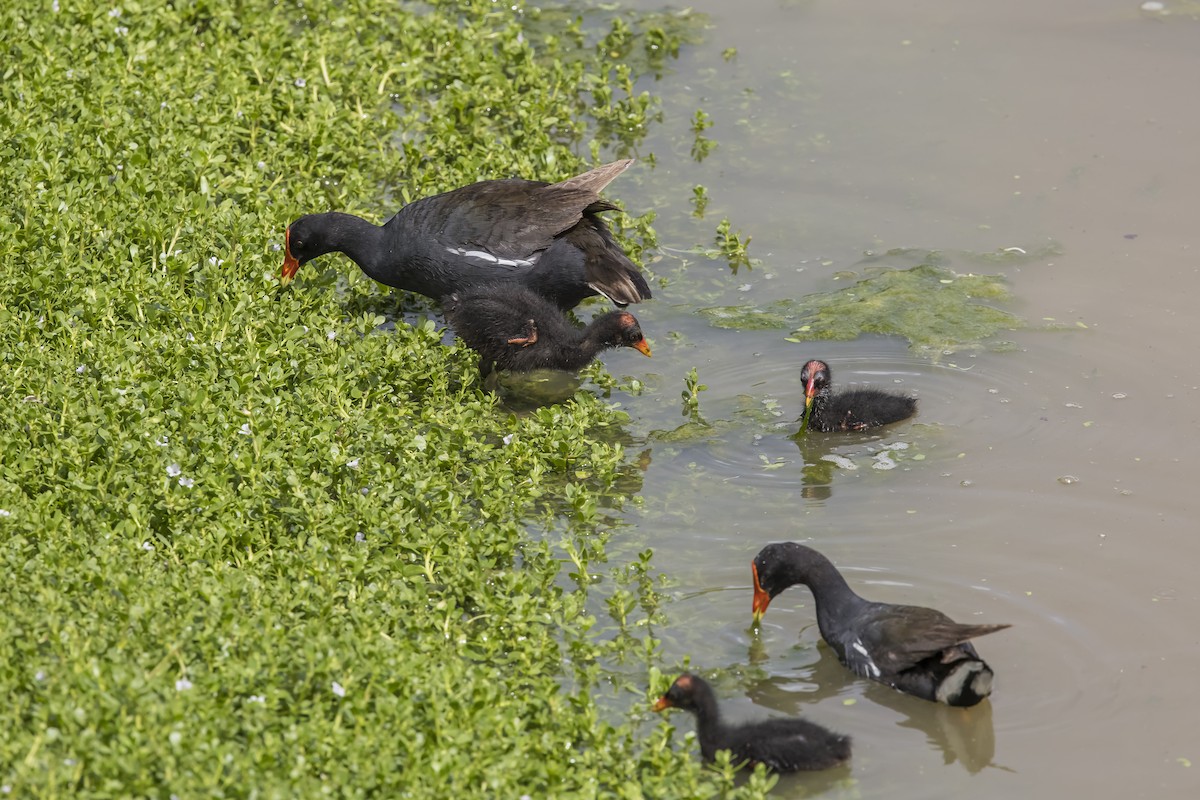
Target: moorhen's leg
[[529, 338]]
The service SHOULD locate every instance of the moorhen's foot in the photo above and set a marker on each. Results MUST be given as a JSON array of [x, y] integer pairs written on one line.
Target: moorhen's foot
[[529, 338]]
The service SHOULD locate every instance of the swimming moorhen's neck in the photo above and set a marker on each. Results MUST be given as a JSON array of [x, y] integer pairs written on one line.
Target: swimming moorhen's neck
[[834, 598], [708, 715], [364, 243]]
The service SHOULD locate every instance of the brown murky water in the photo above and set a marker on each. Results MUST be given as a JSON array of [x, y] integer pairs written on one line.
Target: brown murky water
[[969, 126]]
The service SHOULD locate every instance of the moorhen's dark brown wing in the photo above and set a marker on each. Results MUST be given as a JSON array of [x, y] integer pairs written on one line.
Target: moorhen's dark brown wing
[[514, 219], [893, 638]]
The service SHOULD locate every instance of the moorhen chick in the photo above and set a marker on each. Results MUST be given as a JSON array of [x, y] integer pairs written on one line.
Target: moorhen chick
[[544, 236], [782, 745], [916, 650], [514, 328], [851, 410]]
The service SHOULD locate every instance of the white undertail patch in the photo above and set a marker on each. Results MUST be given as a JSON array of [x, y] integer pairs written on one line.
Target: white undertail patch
[[967, 673]]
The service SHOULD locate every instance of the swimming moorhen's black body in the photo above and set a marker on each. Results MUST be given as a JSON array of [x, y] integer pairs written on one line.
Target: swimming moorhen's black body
[[851, 410], [513, 328], [547, 237], [783, 745], [916, 650]]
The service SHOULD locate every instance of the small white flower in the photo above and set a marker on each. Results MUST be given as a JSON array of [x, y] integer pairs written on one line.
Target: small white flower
[[4, 512], [162, 441], [352, 463], [149, 548], [82, 368], [360, 537], [301, 83], [120, 30], [256, 698], [55, 9], [186, 482], [164, 104], [189, 336], [174, 470], [39, 676], [261, 165], [508, 439], [331, 335], [245, 429], [114, 13], [175, 737], [182, 685], [216, 262], [338, 690], [276, 247]]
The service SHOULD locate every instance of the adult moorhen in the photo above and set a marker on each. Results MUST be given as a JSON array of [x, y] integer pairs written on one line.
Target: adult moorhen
[[782, 745], [851, 410], [916, 650], [513, 328], [545, 236]]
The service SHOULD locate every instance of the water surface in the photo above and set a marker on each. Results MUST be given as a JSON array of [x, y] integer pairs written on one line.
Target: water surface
[[1049, 486]]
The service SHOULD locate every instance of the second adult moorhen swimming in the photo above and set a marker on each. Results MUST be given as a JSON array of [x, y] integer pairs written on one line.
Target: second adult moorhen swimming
[[513, 328], [851, 410], [545, 236], [782, 745], [919, 651]]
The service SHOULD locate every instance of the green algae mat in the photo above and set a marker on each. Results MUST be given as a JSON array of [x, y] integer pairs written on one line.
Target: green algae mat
[[256, 543]]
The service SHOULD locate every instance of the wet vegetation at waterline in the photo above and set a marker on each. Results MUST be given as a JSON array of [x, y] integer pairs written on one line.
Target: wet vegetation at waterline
[[254, 543]]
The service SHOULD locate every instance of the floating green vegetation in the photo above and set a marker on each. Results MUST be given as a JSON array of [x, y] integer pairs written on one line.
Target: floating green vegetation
[[254, 543], [934, 308]]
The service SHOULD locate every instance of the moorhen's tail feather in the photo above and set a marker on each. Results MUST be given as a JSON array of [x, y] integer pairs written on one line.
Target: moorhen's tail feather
[[595, 180], [606, 267]]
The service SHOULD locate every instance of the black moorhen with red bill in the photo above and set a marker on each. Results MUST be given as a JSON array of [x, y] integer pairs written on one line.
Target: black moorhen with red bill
[[782, 745], [916, 650], [850, 410], [513, 328], [547, 237]]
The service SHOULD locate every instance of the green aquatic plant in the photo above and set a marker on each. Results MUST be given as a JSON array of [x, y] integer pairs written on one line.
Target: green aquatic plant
[[702, 146], [934, 308], [692, 387]]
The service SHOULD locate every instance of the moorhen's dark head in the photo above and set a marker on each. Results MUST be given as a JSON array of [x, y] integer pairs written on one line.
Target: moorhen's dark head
[[681, 695], [816, 377], [305, 239], [621, 329], [778, 566]]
